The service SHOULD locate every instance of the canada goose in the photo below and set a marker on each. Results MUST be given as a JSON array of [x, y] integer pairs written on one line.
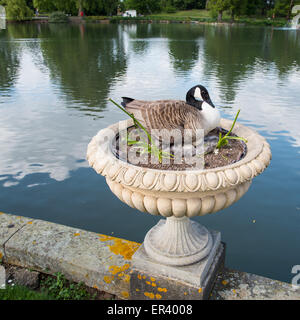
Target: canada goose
[[197, 112]]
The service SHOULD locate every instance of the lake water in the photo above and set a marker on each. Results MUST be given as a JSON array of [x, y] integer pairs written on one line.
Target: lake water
[[54, 85]]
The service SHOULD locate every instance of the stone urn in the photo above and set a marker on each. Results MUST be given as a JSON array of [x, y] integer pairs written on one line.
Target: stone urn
[[178, 241]]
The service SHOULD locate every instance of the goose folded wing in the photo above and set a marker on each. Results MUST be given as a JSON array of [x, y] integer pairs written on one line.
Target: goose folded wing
[[161, 114]]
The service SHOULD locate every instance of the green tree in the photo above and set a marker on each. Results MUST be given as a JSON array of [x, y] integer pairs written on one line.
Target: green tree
[[143, 6], [17, 9], [188, 4], [74, 7], [236, 7], [218, 7], [110, 7], [283, 8], [258, 7], [44, 5], [66, 6]]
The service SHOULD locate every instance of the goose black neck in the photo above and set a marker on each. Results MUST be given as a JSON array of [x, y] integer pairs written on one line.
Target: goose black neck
[[193, 102]]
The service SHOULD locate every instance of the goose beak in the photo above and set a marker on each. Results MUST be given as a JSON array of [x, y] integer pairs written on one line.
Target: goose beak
[[210, 103]]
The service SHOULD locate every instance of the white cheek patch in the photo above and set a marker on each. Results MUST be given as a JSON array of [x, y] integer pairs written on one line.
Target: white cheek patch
[[197, 93]]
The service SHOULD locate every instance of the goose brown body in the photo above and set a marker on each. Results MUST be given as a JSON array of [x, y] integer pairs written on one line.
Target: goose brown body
[[167, 114], [175, 119]]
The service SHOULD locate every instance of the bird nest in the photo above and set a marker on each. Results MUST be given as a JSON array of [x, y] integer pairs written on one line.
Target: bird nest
[[207, 158]]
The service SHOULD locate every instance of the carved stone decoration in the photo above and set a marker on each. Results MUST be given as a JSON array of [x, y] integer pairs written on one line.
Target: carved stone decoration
[[178, 195]]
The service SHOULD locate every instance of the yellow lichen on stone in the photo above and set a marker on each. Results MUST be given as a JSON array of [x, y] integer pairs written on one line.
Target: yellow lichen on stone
[[162, 289], [185, 293], [104, 237], [95, 287], [76, 234], [234, 291], [29, 222], [1, 255], [125, 294], [158, 296], [149, 295], [224, 282], [108, 279], [120, 272], [33, 242], [1, 213], [126, 266], [114, 269], [123, 247]]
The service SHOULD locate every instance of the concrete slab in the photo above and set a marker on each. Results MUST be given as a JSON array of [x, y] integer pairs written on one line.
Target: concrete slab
[[9, 225], [99, 261], [237, 285]]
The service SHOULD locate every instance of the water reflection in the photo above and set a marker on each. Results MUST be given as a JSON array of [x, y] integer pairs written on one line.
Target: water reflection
[[282, 48], [85, 63], [9, 63], [54, 82]]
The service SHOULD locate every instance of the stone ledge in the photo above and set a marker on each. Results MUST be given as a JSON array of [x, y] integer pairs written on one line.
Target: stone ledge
[[100, 261], [9, 225], [104, 262], [237, 285]]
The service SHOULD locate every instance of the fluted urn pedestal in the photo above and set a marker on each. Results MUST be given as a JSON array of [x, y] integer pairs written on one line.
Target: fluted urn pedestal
[[177, 242]]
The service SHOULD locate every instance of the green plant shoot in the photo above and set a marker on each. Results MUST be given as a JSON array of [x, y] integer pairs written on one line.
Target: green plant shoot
[[141, 144], [223, 141]]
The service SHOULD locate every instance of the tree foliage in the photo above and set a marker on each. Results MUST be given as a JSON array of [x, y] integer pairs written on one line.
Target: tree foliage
[[44, 5], [20, 9], [189, 4], [283, 8], [236, 7], [144, 6], [264, 8], [90, 7], [217, 7], [17, 9]]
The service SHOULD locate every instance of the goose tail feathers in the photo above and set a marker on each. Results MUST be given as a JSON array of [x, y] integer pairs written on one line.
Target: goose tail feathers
[[126, 100]]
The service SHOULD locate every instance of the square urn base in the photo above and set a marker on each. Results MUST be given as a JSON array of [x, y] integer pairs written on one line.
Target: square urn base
[[153, 280]]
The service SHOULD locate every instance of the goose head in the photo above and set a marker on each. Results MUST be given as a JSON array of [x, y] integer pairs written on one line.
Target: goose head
[[197, 95], [199, 98]]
